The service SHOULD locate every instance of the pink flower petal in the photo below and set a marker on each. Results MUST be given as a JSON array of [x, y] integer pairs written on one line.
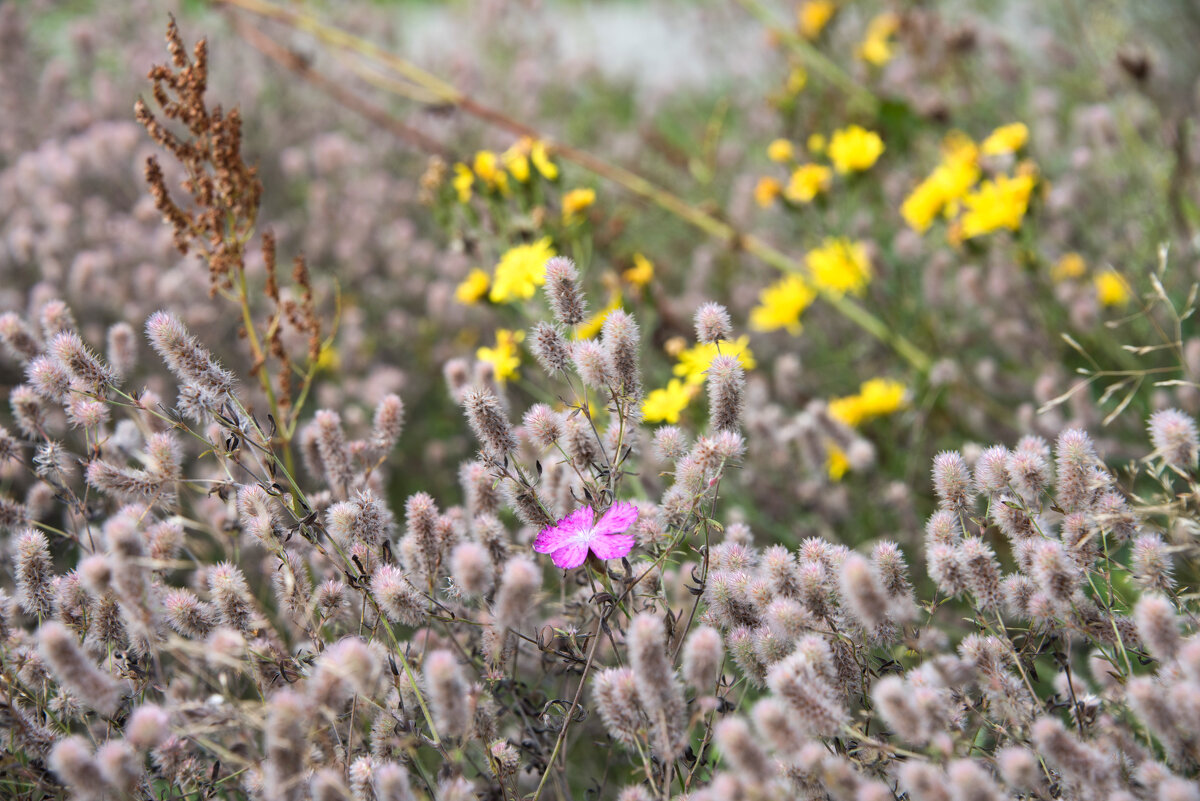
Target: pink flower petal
[[618, 518], [570, 555], [577, 521], [551, 539], [612, 546]]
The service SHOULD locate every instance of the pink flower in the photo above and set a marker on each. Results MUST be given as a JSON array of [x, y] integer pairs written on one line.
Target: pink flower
[[569, 539]]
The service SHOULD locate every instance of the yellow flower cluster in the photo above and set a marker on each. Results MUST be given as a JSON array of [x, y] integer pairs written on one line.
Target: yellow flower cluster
[[876, 397], [642, 271], [521, 271], [854, 149], [503, 357], [813, 15], [839, 266], [665, 405], [473, 287], [851, 149], [876, 49], [996, 204], [1110, 286], [781, 304], [953, 186], [945, 186], [574, 203], [490, 168]]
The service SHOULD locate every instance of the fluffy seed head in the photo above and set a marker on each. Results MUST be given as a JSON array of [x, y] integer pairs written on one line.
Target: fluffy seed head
[[472, 569], [387, 424], [448, 693], [1151, 565], [621, 338], [543, 425], [991, 471], [49, 379], [1158, 626], [703, 653], [489, 422], [952, 482], [713, 323], [670, 442], [550, 348], [95, 688], [397, 599], [85, 367], [19, 340], [190, 362], [726, 393], [1173, 435], [594, 364]]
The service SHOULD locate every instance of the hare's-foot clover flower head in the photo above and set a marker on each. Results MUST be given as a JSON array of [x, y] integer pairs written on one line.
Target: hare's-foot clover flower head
[[569, 540]]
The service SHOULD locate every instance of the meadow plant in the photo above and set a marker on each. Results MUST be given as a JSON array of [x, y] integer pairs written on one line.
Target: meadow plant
[[216, 590]]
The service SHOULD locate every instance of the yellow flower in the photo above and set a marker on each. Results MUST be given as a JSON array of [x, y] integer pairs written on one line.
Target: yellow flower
[[1006, 139], [796, 81], [541, 160], [780, 151], [816, 144], [813, 16], [948, 183], [503, 357], [521, 271], [839, 266], [487, 167], [694, 361], [516, 159], [473, 287], [592, 325], [1071, 265], [766, 190], [642, 271], [875, 47], [781, 304], [882, 396], [665, 405], [808, 181], [836, 462], [876, 397], [328, 358], [997, 204], [854, 149], [1111, 289], [463, 179], [576, 201]]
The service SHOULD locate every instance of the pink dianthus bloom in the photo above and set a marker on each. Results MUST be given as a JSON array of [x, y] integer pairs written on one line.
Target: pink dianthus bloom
[[568, 540]]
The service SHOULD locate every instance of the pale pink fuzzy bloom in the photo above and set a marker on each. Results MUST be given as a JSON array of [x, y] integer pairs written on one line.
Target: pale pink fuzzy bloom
[[774, 721], [397, 598], [615, 694], [968, 779], [1173, 435], [1019, 768], [569, 540], [550, 348], [448, 693], [1150, 563], [28, 410], [670, 443], [737, 744], [18, 338], [189, 361], [982, 572], [188, 615], [72, 761], [148, 726], [391, 783], [10, 448], [1029, 472], [952, 482], [49, 378], [562, 289], [472, 568], [85, 367], [516, 597], [75, 670], [991, 472], [726, 393], [657, 686], [1075, 458], [594, 364], [712, 323], [120, 766], [1158, 626], [703, 654], [122, 348], [34, 571], [387, 424], [943, 528], [543, 425]]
